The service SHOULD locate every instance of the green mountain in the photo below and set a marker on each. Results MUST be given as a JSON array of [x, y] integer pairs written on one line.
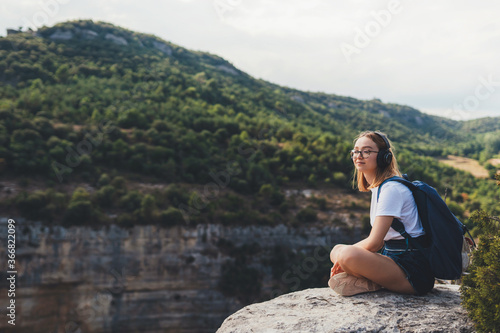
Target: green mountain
[[90, 111]]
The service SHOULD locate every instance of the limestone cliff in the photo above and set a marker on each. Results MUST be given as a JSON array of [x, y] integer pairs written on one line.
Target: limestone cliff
[[322, 310], [146, 278]]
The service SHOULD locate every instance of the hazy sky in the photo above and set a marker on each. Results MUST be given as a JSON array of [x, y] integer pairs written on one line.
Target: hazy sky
[[439, 57]]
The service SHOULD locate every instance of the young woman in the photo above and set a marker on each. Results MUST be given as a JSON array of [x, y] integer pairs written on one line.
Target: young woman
[[359, 268]]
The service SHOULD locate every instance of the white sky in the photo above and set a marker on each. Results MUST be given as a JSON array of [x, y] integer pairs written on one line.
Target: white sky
[[439, 57]]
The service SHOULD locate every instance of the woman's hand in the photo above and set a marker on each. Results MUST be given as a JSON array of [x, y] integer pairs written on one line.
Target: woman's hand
[[333, 257], [336, 269]]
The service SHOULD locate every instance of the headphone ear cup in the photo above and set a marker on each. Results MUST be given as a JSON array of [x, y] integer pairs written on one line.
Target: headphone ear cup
[[388, 158], [384, 158]]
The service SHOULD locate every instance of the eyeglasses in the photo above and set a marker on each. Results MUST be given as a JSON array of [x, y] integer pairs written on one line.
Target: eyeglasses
[[364, 153]]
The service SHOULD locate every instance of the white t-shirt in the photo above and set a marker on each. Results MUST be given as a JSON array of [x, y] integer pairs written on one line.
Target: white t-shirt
[[396, 200]]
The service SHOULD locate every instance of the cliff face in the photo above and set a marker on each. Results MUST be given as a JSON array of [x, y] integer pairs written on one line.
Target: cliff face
[[322, 310], [144, 279]]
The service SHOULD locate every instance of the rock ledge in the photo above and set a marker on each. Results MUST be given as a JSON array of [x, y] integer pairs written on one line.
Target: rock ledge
[[322, 310]]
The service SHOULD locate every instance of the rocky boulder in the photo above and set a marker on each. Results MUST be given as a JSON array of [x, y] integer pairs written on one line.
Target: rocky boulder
[[116, 39], [163, 48], [61, 35], [322, 310]]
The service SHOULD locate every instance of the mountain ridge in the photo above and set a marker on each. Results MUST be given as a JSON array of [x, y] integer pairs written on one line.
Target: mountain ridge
[[88, 30], [182, 116]]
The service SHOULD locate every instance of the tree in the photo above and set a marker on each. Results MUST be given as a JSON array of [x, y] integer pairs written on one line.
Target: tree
[[307, 215], [132, 118], [171, 216], [80, 210], [131, 201], [27, 148], [62, 73], [79, 213], [105, 196], [31, 204], [80, 194], [481, 288], [148, 208]]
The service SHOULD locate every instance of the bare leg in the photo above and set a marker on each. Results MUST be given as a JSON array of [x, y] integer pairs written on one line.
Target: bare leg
[[380, 269], [335, 252]]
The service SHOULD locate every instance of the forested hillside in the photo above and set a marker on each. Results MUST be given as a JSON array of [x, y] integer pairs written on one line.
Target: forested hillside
[[88, 111]]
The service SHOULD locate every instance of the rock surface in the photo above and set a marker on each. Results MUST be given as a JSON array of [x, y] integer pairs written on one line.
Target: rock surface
[[163, 48], [147, 279], [116, 39], [62, 34], [322, 310]]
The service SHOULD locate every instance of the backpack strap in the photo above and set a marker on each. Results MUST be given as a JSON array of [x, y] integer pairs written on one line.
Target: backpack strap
[[385, 181], [412, 187], [399, 227], [396, 223]]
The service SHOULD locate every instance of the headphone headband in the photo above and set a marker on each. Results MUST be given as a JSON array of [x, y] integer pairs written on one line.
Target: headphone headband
[[383, 138]]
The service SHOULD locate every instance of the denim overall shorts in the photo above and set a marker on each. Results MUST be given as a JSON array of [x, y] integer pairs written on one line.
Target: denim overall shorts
[[412, 262]]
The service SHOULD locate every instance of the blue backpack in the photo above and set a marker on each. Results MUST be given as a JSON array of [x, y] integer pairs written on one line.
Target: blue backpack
[[444, 232]]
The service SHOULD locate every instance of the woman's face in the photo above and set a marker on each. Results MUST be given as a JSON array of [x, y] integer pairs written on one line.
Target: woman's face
[[365, 164]]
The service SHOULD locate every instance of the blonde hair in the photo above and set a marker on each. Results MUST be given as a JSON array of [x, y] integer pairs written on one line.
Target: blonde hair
[[382, 173]]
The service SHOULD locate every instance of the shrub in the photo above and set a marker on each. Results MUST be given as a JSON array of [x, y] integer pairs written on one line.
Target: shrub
[[103, 180], [307, 214], [80, 194], [176, 195], [126, 220], [277, 198], [240, 185], [104, 196], [148, 207], [131, 201], [455, 208], [119, 183], [284, 208], [31, 204], [481, 288], [320, 202], [266, 190], [229, 218], [339, 178], [231, 202], [170, 217], [271, 194], [78, 213], [160, 125]]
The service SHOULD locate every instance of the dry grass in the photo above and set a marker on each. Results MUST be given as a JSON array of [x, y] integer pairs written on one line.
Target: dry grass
[[466, 164], [494, 161]]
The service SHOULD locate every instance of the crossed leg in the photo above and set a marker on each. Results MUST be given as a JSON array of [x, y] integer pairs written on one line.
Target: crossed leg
[[380, 269]]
